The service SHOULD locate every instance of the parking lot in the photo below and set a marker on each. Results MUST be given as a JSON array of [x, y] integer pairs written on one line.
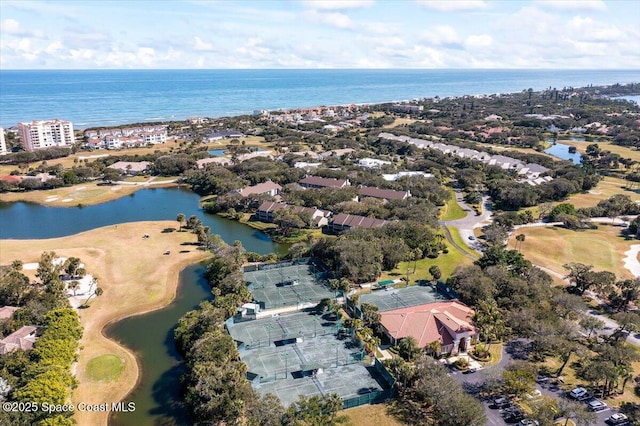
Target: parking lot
[[496, 415]]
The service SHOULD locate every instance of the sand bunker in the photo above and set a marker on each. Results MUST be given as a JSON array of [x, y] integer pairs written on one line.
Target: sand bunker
[[631, 260], [66, 200], [80, 188], [51, 198], [115, 188]]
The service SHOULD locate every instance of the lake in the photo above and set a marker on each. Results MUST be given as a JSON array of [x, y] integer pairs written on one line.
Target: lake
[[27, 220], [149, 336]]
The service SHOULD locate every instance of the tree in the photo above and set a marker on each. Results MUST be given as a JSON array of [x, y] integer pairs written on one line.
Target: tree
[[181, 219], [370, 315], [408, 349], [572, 410], [591, 324], [97, 292], [520, 239], [519, 378], [316, 411], [435, 272], [489, 320], [73, 286], [71, 266]]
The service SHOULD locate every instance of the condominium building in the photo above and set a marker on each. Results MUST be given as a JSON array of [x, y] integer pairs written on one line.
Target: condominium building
[[3, 144], [46, 134]]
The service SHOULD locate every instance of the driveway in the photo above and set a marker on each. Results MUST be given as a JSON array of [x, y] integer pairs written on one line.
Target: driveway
[[517, 349], [467, 224]]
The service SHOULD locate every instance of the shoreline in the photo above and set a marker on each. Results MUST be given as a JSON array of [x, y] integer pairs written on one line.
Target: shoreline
[[107, 194], [123, 280]]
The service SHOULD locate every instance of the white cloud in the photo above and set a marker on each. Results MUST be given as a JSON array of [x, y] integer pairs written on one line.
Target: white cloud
[[334, 19], [573, 4], [453, 5], [54, 47], [202, 46], [10, 26], [478, 41], [441, 34], [588, 29], [338, 4]]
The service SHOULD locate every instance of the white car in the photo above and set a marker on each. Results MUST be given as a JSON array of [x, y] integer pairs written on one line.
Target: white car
[[578, 393], [617, 419], [597, 405]]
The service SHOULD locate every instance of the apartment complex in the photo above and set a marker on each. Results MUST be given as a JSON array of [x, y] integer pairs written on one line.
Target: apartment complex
[[3, 144], [128, 137], [41, 134]]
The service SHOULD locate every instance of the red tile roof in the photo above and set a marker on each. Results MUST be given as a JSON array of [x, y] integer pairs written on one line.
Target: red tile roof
[[439, 321], [11, 178]]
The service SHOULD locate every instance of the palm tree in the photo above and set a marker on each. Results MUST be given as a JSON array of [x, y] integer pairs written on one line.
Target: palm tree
[[74, 285], [520, 238], [180, 218], [98, 292]]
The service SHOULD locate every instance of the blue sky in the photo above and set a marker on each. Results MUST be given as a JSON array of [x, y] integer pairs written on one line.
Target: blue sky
[[93, 34]]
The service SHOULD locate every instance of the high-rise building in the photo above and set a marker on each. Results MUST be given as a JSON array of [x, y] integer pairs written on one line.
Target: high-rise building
[[3, 144], [45, 134]]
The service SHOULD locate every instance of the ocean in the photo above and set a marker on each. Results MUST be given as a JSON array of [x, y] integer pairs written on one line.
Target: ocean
[[92, 98]]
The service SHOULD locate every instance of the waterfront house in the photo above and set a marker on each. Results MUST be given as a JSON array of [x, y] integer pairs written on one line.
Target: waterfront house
[[266, 211], [269, 188]]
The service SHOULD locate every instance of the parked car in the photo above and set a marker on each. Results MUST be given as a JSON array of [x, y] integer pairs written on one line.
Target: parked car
[[587, 397], [542, 379], [501, 402], [528, 422], [513, 414], [617, 419], [597, 405], [470, 370], [471, 237], [578, 393]]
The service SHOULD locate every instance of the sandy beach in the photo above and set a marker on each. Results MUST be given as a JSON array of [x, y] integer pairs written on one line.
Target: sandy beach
[[136, 277]]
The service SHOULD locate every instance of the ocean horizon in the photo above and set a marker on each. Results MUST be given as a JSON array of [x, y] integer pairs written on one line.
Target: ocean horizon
[[92, 98]]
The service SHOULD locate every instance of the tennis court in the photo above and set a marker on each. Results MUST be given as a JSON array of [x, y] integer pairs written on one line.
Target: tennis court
[[302, 353], [278, 286], [390, 299]]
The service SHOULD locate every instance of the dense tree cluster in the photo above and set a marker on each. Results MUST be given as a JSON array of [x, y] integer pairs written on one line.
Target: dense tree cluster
[[362, 254]]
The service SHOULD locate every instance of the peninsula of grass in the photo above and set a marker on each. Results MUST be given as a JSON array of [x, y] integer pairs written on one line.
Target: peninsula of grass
[[136, 277], [552, 247], [455, 236], [452, 210], [104, 368]]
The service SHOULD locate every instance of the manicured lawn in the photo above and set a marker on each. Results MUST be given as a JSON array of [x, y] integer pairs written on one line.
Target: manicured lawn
[[623, 151], [367, 415], [552, 247], [606, 188], [452, 210], [446, 262], [256, 224], [104, 368], [455, 235]]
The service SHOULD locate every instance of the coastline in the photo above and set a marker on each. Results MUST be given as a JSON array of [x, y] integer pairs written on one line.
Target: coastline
[[124, 278]]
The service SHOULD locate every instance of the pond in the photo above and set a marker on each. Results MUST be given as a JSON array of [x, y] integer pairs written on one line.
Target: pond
[[221, 152], [26, 220], [562, 151], [150, 336]]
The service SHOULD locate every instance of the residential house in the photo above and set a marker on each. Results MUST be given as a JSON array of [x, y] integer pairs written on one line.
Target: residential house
[[317, 182], [223, 134], [6, 312], [396, 176], [383, 194], [269, 187], [372, 163], [265, 212], [23, 339], [337, 152], [343, 222], [448, 323]]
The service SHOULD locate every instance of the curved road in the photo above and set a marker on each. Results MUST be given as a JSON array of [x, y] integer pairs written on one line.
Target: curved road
[[466, 225]]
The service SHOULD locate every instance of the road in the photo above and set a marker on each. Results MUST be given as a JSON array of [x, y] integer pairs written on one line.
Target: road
[[517, 349]]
